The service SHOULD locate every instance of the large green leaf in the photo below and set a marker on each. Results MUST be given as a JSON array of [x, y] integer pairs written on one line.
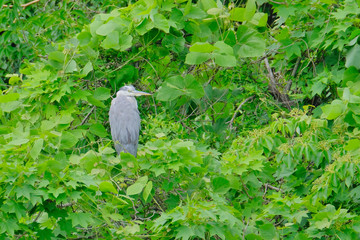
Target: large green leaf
[[353, 57], [125, 42], [250, 42], [220, 185], [111, 41], [99, 130], [177, 86], [137, 187], [197, 58], [161, 22], [259, 19], [10, 97], [202, 47], [36, 149], [224, 55], [107, 186], [237, 14], [333, 110], [250, 10]]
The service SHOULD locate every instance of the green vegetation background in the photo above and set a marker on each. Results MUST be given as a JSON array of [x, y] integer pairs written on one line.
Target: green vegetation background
[[252, 131]]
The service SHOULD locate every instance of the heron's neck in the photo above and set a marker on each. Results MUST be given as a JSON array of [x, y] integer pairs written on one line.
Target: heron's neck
[[132, 100]]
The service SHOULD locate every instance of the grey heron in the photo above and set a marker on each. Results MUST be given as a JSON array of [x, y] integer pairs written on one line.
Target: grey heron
[[125, 120]]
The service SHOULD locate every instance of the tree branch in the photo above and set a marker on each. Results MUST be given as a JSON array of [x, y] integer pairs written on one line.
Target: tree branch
[[23, 5], [237, 110]]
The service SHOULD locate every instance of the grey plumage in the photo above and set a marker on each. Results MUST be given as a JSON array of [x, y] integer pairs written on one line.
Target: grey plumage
[[125, 120]]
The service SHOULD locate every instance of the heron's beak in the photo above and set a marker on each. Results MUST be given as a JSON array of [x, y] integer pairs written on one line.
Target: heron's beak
[[140, 93]]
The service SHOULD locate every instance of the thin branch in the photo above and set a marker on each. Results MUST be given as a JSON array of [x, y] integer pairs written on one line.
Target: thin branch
[[293, 74], [85, 119], [23, 5], [245, 228], [272, 187], [280, 3], [65, 205], [237, 110], [271, 75]]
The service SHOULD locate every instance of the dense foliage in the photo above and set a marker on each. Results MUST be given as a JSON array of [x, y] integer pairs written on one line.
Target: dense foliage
[[252, 131]]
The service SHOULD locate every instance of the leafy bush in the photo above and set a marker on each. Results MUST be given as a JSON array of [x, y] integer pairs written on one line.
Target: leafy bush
[[253, 131]]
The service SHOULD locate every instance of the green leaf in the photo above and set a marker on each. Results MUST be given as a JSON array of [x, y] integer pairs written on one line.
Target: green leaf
[[333, 110], [195, 13], [36, 149], [9, 226], [324, 223], [196, 58], [225, 60], [107, 28], [207, 4], [80, 219], [259, 19], [193, 87], [224, 55], [14, 207], [107, 186], [87, 68], [250, 10], [10, 97], [222, 47], [268, 231], [68, 140], [71, 67], [125, 42], [353, 57], [168, 93], [317, 88], [56, 191], [145, 26], [84, 38], [176, 86], [184, 232], [99, 130], [137, 187], [293, 49], [111, 41], [102, 93], [57, 56], [352, 144], [250, 42], [220, 185], [161, 22], [202, 47], [13, 80], [18, 141], [95, 102], [237, 14], [147, 190]]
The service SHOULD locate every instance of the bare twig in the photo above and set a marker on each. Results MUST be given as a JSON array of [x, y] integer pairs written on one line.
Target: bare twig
[[273, 83], [272, 187], [280, 3], [237, 110], [37, 217], [23, 5], [293, 74], [245, 228], [64, 205], [85, 119]]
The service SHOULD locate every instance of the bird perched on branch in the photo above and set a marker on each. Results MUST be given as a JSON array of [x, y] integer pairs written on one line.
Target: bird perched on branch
[[125, 120]]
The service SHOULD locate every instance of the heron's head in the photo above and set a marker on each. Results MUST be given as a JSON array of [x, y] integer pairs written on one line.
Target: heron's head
[[130, 91]]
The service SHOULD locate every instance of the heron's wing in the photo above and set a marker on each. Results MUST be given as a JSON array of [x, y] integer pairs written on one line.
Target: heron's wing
[[125, 124]]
